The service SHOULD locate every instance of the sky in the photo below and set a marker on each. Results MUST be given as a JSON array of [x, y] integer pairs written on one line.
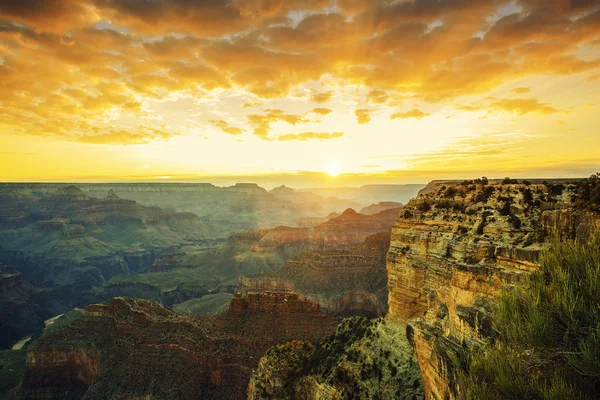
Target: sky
[[313, 92]]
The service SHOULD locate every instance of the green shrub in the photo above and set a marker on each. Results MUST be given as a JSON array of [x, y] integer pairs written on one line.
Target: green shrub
[[548, 344], [424, 206], [450, 192], [588, 192], [485, 194]]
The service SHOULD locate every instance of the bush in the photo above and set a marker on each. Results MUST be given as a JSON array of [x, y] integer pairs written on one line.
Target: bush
[[505, 209], [548, 344], [485, 194], [509, 181], [588, 192], [514, 221], [424, 206], [450, 192]]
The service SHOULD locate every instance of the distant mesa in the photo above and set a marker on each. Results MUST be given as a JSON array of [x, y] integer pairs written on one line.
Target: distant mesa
[[350, 212], [379, 207], [112, 196], [283, 190], [70, 193]]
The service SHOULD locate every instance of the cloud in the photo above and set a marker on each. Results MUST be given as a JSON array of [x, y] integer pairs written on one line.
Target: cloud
[[262, 122], [251, 104], [513, 106], [70, 65], [363, 116], [225, 127], [141, 135], [322, 111], [414, 113], [321, 97], [310, 135], [521, 90]]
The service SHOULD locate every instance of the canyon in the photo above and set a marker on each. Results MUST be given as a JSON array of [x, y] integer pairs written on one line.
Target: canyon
[[427, 274], [70, 248]]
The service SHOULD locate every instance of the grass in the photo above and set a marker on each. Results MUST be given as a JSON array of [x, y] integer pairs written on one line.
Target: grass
[[548, 344]]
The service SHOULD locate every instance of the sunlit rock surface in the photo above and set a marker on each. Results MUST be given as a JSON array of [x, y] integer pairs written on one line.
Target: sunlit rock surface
[[454, 248]]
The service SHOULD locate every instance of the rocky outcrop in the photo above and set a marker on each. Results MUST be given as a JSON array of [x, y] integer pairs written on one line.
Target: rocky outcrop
[[379, 207], [364, 359], [346, 282], [312, 222], [347, 230], [454, 248], [132, 348]]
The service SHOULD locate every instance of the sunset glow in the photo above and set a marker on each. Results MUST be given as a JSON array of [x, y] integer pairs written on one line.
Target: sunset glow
[[400, 91]]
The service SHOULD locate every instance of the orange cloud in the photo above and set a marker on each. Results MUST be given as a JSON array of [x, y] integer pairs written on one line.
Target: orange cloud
[[363, 116], [262, 122], [414, 113], [141, 135], [322, 111], [521, 90], [310, 135], [321, 97], [224, 126], [513, 106], [60, 76]]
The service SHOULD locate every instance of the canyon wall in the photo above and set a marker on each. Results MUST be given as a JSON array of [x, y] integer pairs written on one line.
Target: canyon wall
[[346, 282], [133, 348], [454, 248]]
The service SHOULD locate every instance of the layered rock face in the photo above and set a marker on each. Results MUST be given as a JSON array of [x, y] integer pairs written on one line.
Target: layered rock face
[[379, 207], [349, 229], [454, 248], [346, 282], [132, 348]]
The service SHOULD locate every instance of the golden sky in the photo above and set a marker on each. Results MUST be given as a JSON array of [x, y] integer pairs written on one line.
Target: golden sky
[[365, 90]]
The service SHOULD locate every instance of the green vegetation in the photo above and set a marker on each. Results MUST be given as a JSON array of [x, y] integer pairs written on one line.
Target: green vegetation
[[364, 359], [12, 365], [548, 333], [588, 193]]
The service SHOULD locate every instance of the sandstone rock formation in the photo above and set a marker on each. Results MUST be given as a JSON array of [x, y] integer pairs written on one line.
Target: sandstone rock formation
[[133, 348], [451, 252], [379, 207], [346, 282]]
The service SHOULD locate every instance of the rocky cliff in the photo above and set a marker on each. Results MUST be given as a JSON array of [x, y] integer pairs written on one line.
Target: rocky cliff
[[132, 348], [347, 281], [453, 249], [364, 359]]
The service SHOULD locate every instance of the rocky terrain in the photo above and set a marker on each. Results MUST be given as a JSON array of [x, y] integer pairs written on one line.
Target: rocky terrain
[[455, 247], [364, 359], [379, 207], [133, 348], [369, 194], [346, 282], [192, 271]]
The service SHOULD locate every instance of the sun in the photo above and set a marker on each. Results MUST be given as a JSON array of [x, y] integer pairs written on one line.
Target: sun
[[333, 168]]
